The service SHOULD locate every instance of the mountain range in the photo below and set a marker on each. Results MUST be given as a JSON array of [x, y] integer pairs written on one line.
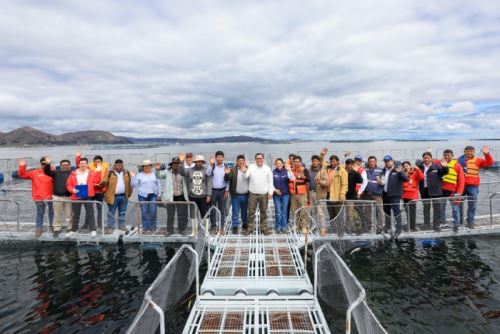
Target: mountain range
[[28, 136]]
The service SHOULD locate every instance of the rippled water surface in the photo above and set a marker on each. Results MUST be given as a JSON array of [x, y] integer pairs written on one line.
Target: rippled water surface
[[450, 286]]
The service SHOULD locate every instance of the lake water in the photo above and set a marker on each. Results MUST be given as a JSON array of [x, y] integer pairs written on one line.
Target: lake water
[[451, 287]]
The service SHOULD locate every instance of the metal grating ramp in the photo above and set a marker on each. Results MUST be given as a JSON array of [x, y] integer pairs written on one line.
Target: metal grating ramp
[[256, 316]]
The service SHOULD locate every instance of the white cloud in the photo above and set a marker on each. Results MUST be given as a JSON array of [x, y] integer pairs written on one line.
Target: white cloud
[[208, 68]]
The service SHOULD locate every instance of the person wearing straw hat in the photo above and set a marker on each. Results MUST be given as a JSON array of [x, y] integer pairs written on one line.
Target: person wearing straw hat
[[149, 188], [175, 191], [199, 183]]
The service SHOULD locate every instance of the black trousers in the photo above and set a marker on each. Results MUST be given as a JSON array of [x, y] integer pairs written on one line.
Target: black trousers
[[182, 214], [89, 214]]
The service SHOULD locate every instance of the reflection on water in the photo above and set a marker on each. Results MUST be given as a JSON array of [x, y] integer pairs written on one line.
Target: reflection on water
[[56, 289], [421, 287], [413, 287]]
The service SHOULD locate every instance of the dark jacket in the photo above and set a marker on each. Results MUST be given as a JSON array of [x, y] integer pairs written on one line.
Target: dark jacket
[[280, 178], [232, 178], [60, 180], [353, 177], [373, 188], [394, 182], [434, 179]]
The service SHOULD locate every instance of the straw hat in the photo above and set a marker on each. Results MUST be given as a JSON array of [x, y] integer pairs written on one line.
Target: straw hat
[[147, 163], [199, 157]]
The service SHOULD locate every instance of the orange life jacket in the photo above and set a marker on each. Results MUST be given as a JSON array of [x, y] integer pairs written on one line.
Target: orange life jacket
[[471, 170], [297, 186]]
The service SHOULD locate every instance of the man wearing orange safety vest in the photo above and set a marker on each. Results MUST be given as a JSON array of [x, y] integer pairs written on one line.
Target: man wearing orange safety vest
[[471, 165], [453, 186], [299, 188]]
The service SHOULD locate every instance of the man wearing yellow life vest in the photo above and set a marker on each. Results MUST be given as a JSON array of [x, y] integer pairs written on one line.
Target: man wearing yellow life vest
[[471, 165], [299, 187], [453, 186]]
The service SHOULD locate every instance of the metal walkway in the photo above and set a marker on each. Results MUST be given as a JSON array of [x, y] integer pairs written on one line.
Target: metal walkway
[[257, 284]]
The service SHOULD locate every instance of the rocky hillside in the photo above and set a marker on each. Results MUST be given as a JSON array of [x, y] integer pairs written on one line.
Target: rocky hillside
[[31, 136]]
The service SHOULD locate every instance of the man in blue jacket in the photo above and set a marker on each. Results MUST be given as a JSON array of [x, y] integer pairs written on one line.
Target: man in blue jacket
[[374, 191], [392, 179]]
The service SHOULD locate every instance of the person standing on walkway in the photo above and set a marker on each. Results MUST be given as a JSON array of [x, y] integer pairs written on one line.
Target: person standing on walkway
[[98, 166], [81, 184], [149, 188], [411, 193], [299, 188], [238, 189], [471, 165], [61, 197], [453, 187], [216, 170], [281, 197], [318, 189], [338, 184], [176, 191], [118, 191], [392, 179], [199, 185], [260, 189], [431, 189], [373, 192], [41, 190]]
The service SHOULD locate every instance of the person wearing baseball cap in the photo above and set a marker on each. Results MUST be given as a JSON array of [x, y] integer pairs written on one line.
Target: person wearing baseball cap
[[175, 190], [392, 179]]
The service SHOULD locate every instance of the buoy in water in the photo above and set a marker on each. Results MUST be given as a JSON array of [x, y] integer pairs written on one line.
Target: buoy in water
[[430, 242]]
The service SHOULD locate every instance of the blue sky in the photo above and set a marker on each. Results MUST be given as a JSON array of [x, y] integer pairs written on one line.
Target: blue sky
[[275, 69]]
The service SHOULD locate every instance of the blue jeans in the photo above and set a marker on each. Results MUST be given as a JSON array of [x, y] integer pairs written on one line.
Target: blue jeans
[[471, 192], [239, 205], [392, 203], [454, 207], [281, 210], [40, 212], [148, 212], [120, 204]]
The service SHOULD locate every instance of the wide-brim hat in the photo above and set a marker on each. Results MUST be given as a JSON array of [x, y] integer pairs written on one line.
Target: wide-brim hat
[[175, 160], [146, 163], [199, 157]]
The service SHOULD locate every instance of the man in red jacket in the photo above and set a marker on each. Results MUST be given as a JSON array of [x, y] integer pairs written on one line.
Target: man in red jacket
[[41, 190], [453, 186], [81, 185], [471, 165]]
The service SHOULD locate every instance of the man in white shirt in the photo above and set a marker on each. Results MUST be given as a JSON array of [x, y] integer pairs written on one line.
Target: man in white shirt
[[260, 191]]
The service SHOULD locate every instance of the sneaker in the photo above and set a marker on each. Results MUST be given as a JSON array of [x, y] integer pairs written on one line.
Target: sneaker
[[471, 226], [108, 230], [38, 232], [123, 228], [379, 230], [221, 232], [455, 228], [415, 229], [234, 230], [70, 234], [213, 231], [56, 234], [437, 228], [51, 229], [246, 232], [397, 234], [169, 233], [93, 234], [265, 232]]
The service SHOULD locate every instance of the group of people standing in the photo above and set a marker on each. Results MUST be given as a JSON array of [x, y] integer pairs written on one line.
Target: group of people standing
[[293, 186]]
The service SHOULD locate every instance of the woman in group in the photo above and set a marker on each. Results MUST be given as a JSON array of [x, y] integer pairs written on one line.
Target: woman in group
[[411, 193], [148, 188], [281, 196]]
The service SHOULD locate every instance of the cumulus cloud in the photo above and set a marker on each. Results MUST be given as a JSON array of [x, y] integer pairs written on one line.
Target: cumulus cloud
[[331, 69]]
